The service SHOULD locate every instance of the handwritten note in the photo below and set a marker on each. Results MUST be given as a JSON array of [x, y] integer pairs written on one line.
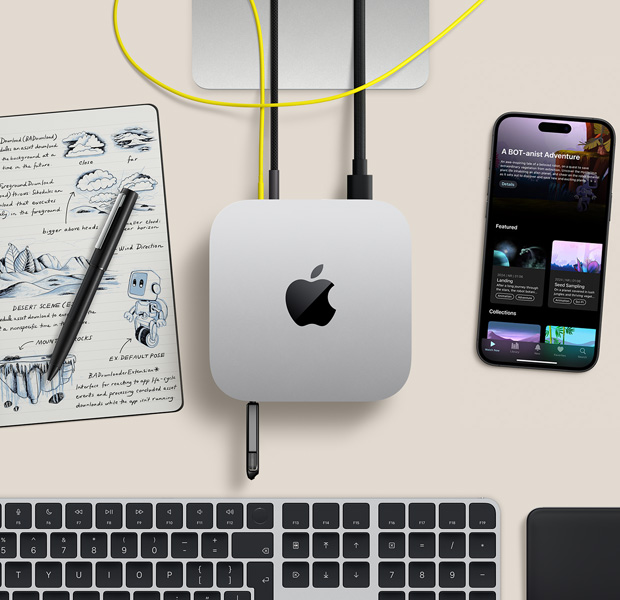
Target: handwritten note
[[59, 176]]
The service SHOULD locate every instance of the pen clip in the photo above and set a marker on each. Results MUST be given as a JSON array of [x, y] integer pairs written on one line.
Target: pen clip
[[108, 224]]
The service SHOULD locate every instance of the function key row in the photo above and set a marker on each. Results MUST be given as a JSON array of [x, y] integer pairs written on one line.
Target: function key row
[[392, 515], [295, 515], [112, 515]]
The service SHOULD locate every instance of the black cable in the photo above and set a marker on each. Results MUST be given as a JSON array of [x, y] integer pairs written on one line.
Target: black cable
[[359, 184], [274, 173]]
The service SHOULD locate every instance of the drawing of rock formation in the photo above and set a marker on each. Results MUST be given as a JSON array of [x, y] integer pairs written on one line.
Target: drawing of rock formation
[[27, 378]]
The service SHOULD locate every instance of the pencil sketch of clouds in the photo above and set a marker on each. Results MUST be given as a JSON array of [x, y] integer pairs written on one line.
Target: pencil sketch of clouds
[[83, 144], [138, 182], [94, 181], [103, 198], [134, 138]]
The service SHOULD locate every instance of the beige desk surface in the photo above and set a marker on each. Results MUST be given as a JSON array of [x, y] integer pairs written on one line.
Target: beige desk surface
[[458, 428]]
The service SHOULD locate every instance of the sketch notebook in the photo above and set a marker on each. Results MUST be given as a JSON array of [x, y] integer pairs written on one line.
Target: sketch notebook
[[59, 175]]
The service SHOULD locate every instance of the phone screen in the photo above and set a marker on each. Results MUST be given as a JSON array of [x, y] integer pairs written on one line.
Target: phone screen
[[546, 240]]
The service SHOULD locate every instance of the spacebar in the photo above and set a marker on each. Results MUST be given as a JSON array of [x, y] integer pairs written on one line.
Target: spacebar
[[260, 577]]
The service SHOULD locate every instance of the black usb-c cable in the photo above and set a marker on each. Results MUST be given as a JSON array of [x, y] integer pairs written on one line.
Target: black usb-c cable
[[359, 184]]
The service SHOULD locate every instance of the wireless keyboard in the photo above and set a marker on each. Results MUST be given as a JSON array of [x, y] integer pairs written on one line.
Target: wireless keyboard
[[226, 549]]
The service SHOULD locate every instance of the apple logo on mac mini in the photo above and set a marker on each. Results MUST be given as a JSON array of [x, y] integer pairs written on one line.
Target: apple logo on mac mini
[[307, 301]]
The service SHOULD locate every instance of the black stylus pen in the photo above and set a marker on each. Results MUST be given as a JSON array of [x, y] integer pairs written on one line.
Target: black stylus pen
[[104, 250], [252, 440]]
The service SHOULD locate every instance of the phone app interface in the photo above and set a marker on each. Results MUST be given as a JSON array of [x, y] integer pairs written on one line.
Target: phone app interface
[[547, 229]]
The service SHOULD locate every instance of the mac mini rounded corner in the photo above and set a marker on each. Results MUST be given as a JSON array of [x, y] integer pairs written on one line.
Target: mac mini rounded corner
[[310, 300]]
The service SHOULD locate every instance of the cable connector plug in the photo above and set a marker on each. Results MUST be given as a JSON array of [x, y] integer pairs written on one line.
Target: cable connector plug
[[359, 185]]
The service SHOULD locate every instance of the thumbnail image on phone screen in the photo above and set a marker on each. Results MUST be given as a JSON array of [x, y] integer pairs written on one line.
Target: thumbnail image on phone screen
[[545, 250]]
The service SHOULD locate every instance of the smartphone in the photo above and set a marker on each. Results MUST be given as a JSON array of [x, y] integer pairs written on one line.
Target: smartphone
[[545, 249]]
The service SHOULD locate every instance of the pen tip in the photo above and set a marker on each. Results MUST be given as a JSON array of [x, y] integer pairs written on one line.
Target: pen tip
[[52, 373]]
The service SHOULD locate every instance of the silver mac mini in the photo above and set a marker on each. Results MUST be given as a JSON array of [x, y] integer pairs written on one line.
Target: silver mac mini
[[310, 300]]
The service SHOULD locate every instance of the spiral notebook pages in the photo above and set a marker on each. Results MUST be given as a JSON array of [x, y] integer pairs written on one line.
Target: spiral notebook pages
[[59, 176]]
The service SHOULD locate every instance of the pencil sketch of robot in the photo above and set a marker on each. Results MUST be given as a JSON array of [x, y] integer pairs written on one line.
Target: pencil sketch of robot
[[149, 312]]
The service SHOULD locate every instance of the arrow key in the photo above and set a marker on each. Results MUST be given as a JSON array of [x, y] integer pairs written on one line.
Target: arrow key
[[356, 545], [356, 575]]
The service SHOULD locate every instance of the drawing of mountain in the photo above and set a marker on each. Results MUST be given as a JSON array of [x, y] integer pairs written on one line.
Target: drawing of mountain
[[24, 276]]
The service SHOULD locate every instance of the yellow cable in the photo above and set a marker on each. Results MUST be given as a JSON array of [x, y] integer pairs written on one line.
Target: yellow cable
[[261, 135], [262, 104]]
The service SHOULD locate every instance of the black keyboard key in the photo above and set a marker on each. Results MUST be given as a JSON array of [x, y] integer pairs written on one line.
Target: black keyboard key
[[421, 595], [452, 515], [391, 515], [116, 595], [169, 575], [169, 515], [78, 516], [109, 575], [109, 515], [295, 516], [452, 596], [392, 596], [481, 595], [421, 545], [260, 516], [252, 545], [230, 516], [326, 516], [124, 545], [199, 516], [481, 574], [295, 575], [17, 515], [325, 545], [391, 545], [422, 515], [18, 575], [48, 515], [154, 545], [451, 575], [25, 595], [356, 516], [482, 545], [94, 545], [356, 575], [237, 596], [295, 545], [199, 575], [391, 575], [422, 575], [139, 515], [8, 545], [184, 545], [260, 579], [356, 545], [63, 545], [139, 575], [214, 545], [482, 516], [48, 575], [452, 545], [229, 574], [55, 595], [325, 575], [145, 595], [78, 575], [177, 596], [205, 596], [86, 596], [33, 545]]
